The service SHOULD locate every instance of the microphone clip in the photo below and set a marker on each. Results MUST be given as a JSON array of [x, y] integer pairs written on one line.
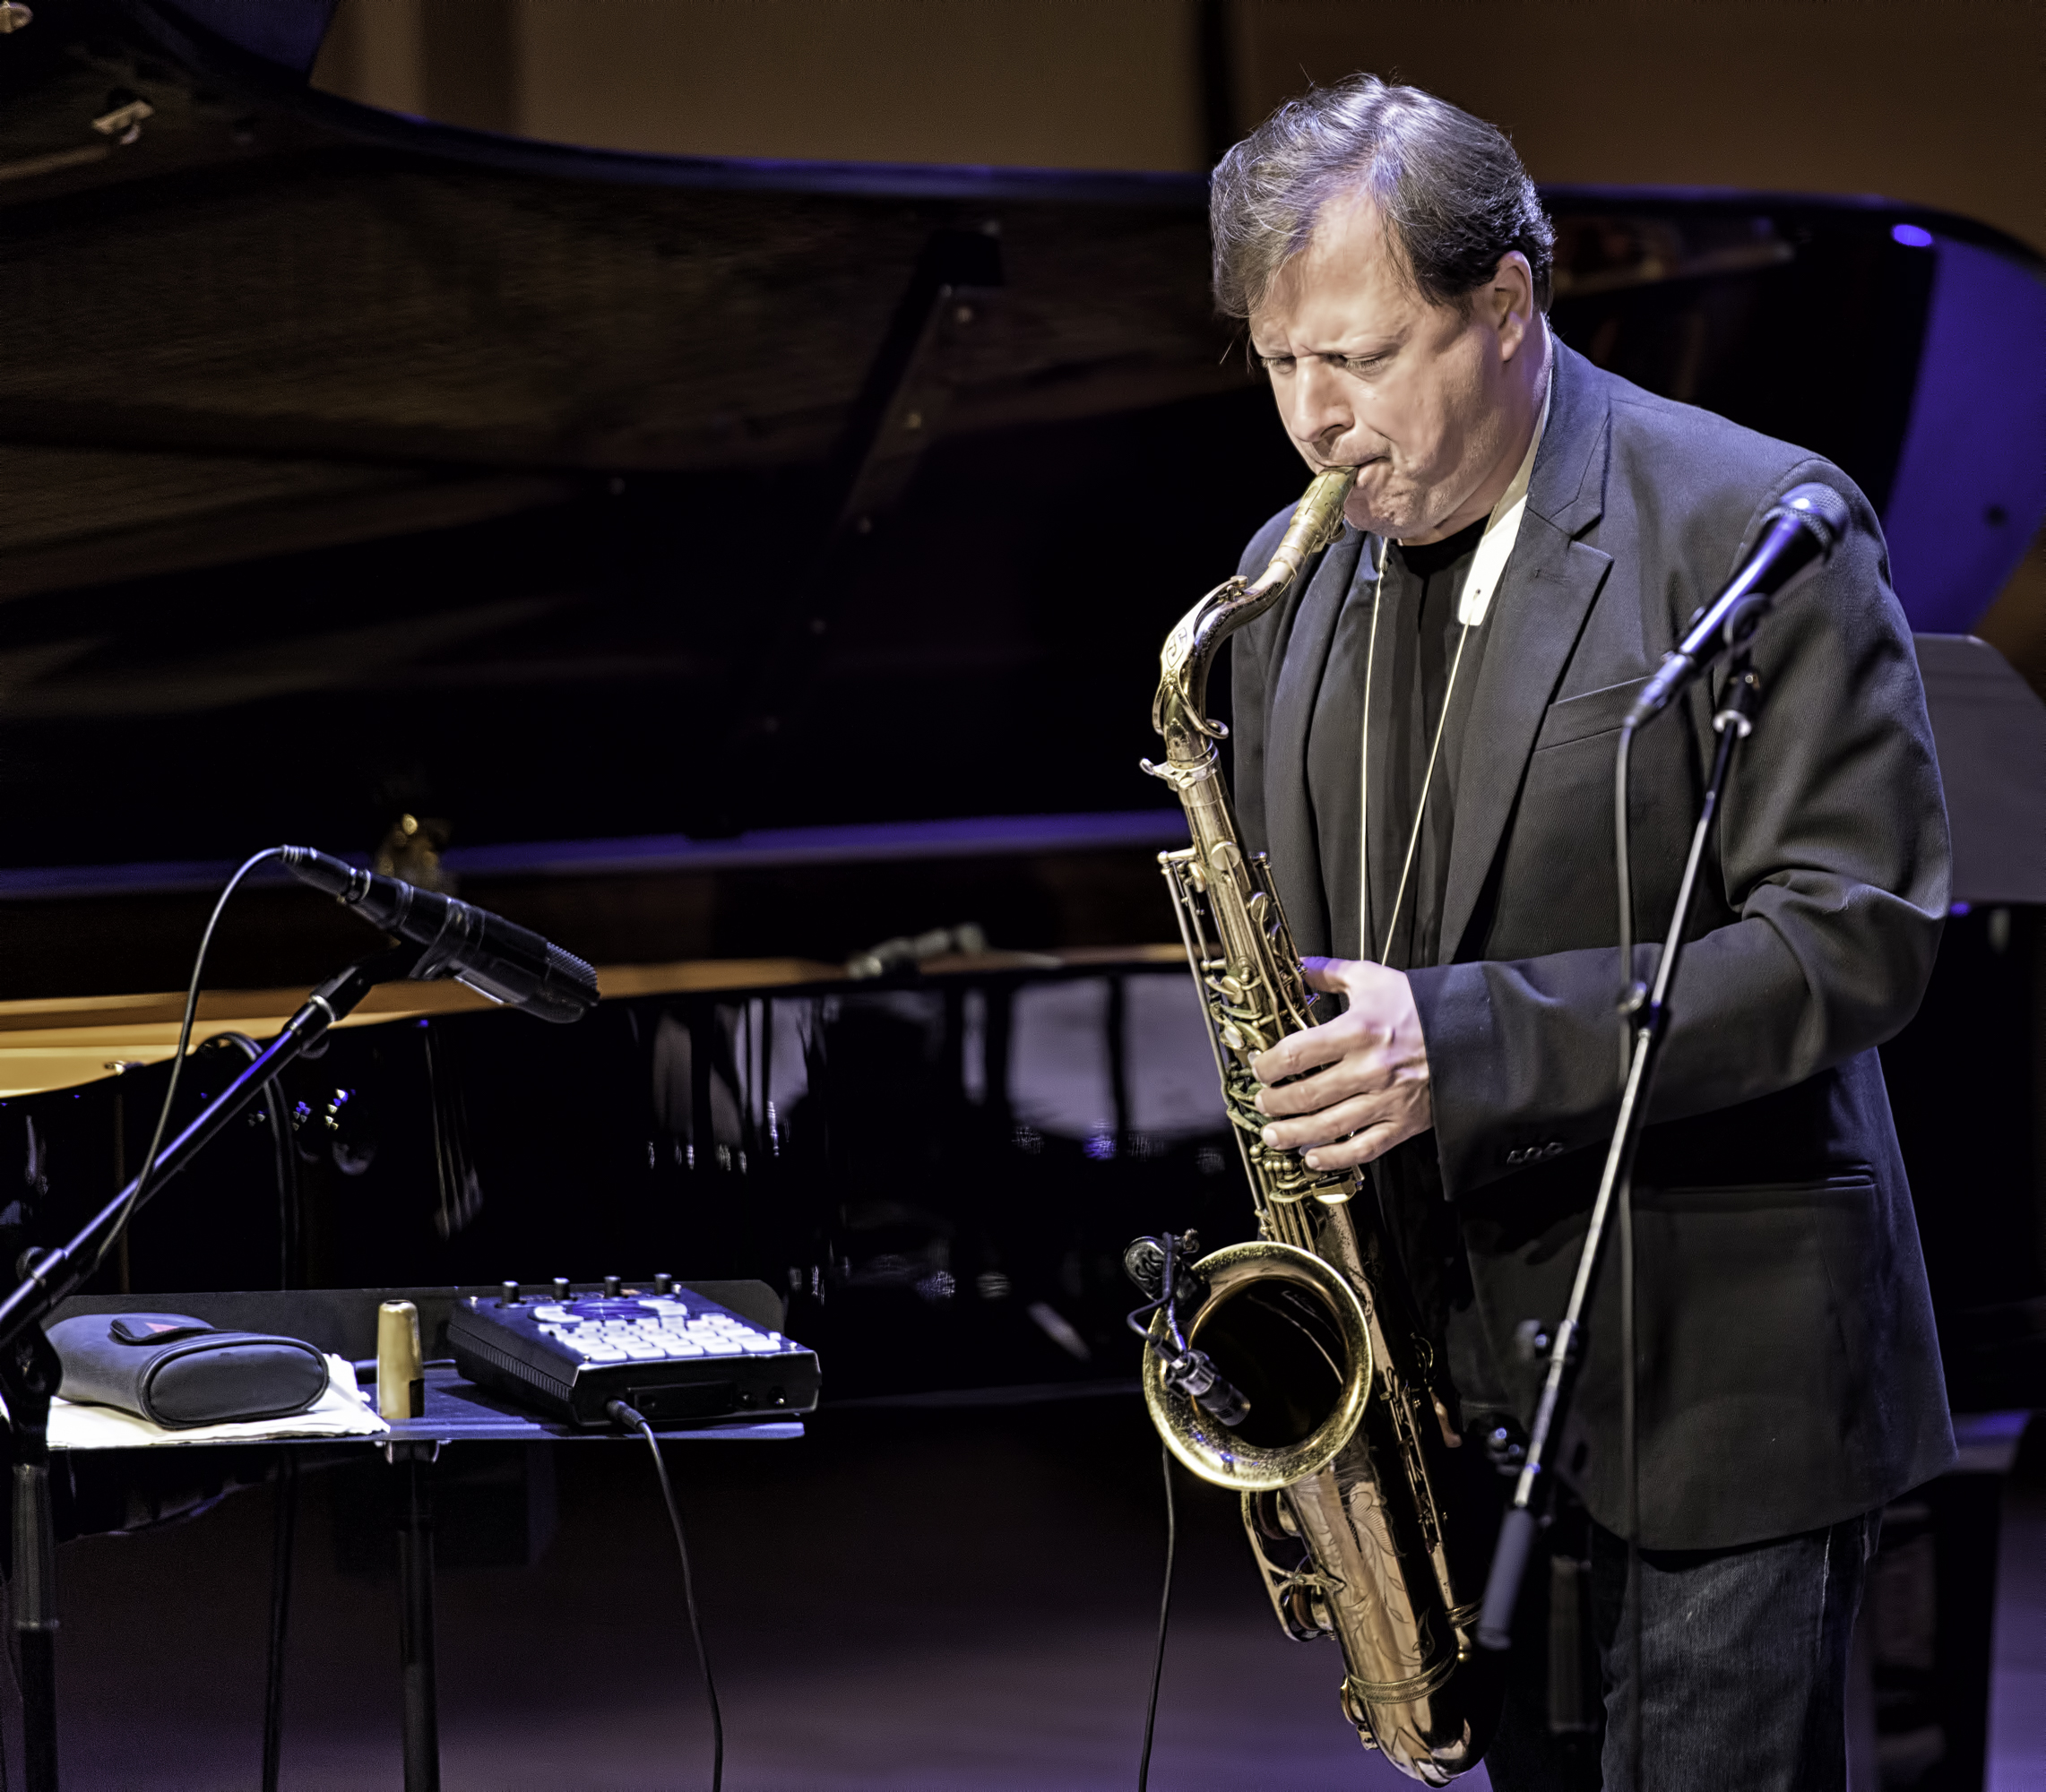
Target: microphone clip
[[1162, 1268], [1144, 1262]]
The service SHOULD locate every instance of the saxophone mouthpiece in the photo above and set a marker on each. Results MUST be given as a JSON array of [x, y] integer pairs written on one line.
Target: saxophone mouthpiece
[[1318, 521]]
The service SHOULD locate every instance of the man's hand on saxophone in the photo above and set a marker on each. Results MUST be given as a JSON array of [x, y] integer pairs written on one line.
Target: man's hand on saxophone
[[1370, 1087]]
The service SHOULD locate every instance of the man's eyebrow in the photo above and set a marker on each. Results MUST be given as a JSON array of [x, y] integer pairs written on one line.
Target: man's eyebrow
[[1379, 344], [1372, 347]]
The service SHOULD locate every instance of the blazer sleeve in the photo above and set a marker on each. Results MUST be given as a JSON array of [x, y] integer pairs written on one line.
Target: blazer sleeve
[[1833, 856]]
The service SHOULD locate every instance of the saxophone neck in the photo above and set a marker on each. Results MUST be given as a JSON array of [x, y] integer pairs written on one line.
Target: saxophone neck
[[1180, 710], [1318, 521]]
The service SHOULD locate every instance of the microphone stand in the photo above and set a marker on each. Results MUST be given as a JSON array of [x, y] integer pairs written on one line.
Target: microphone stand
[[1651, 1025], [30, 1372]]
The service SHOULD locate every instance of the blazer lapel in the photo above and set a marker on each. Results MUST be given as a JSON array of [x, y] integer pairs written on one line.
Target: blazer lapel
[[1296, 856], [1548, 589]]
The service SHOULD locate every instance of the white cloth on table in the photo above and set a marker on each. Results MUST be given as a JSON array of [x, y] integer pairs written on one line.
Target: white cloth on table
[[341, 1411]]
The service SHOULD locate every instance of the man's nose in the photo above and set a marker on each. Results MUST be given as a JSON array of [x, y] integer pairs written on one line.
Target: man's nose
[[1321, 409]]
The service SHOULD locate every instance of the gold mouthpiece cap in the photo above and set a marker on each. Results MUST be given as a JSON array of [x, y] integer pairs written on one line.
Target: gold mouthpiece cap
[[400, 1371]]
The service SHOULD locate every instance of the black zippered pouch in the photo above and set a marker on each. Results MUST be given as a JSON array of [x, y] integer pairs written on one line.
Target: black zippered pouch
[[178, 1371]]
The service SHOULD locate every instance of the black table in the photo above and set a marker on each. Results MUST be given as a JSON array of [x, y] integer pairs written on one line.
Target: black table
[[343, 1322]]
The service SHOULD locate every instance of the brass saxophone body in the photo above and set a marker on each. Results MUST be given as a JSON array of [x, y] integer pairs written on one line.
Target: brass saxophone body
[[1337, 1459]]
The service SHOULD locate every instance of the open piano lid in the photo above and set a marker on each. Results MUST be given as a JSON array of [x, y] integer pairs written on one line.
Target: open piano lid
[[570, 492]]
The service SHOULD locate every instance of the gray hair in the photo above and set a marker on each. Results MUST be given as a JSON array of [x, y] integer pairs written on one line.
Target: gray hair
[[1449, 188]]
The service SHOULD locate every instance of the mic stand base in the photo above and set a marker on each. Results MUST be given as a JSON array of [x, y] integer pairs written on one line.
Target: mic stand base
[[30, 1372]]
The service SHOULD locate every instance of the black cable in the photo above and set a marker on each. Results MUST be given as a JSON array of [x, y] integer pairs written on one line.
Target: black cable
[[1642, 1012], [286, 1150], [1139, 1322], [622, 1414], [1631, 1001], [141, 1185], [1164, 1617], [1630, 1449], [1631, 990]]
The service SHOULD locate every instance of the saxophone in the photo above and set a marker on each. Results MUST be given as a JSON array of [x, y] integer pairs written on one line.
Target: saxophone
[[1301, 1382]]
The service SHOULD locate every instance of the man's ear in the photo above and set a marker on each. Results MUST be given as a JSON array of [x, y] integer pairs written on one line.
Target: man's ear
[[1510, 299]]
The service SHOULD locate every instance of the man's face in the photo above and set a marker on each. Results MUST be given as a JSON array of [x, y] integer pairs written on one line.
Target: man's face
[[1368, 373]]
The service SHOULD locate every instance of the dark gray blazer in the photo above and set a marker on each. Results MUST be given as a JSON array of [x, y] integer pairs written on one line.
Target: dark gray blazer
[[1790, 1372]]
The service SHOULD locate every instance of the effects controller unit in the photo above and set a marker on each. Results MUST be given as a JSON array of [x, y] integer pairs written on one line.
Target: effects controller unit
[[666, 1351]]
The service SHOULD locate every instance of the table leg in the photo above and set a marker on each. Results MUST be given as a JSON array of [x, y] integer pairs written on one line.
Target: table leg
[[414, 1465], [286, 1526], [35, 1621]]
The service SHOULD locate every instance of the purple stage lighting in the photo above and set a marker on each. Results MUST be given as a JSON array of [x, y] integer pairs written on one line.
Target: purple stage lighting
[[1911, 235]]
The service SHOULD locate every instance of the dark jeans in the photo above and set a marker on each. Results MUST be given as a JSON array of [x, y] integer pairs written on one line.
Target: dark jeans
[[1743, 1656]]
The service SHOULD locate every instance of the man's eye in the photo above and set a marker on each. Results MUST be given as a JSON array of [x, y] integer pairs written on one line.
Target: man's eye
[[1276, 365], [1354, 364]]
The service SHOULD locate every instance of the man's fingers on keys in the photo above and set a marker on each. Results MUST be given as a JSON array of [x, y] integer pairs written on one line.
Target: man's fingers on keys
[[1325, 1125], [1299, 1053], [1361, 1148]]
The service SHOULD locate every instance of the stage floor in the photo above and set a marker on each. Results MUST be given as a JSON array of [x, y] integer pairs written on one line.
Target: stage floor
[[951, 1600]]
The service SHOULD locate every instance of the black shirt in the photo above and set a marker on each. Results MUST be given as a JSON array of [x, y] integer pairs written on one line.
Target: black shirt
[[1418, 642]]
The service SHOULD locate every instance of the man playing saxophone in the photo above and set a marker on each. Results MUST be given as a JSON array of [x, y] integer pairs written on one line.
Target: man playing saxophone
[[1423, 737]]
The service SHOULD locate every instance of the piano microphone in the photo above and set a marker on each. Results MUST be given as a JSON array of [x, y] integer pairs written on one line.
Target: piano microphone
[[493, 956]]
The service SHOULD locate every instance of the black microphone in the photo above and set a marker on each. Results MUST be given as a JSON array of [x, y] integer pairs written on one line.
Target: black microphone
[[1192, 1375], [1805, 526], [508, 963]]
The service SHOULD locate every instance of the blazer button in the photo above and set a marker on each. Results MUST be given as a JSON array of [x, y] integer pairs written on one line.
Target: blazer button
[[1552, 1148], [1518, 1155]]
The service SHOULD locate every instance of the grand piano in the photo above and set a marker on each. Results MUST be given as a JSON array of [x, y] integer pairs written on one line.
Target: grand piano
[[724, 567]]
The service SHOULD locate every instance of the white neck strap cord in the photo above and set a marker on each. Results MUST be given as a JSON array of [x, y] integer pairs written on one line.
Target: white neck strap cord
[[1487, 564]]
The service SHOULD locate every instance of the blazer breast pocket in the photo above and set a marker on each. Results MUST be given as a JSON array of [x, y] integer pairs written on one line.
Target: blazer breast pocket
[[1595, 712]]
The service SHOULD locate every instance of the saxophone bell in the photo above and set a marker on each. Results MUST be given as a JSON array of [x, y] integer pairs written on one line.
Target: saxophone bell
[[1286, 1333]]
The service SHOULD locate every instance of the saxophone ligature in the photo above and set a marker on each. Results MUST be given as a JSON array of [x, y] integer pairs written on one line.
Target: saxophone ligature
[[1287, 1368]]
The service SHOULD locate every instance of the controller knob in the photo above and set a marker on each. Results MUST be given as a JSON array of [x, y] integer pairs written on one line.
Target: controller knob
[[561, 1288], [612, 1284], [510, 1294], [664, 1284]]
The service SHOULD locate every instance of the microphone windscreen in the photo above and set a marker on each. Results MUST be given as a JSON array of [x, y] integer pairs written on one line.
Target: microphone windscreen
[[1819, 507]]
